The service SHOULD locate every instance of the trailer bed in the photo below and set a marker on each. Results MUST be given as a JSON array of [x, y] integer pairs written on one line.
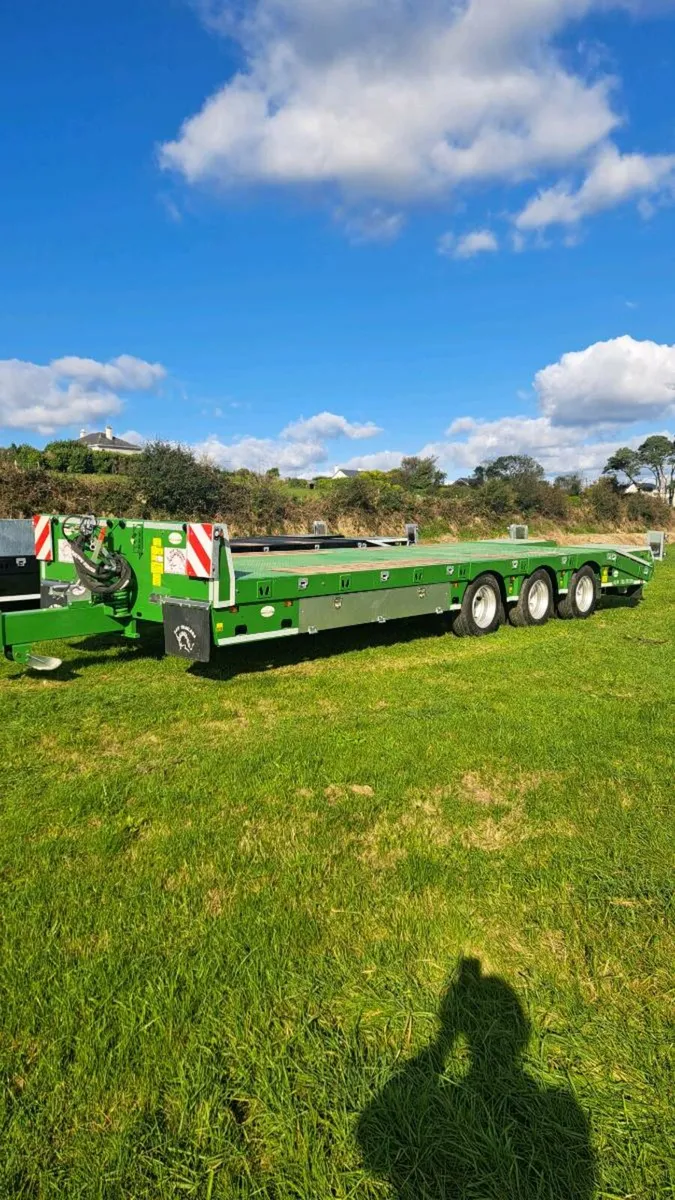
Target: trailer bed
[[186, 577], [328, 562]]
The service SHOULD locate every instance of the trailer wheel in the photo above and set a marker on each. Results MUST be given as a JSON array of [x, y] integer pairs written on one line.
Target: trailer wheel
[[535, 602], [482, 610], [582, 598]]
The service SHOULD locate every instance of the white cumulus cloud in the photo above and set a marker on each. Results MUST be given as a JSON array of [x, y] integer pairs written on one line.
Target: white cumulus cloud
[[300, 448], [557, 448], [396, 101], [609, 383], [69, 391], [588, 400], [392, 99], [124, 373], [480, 241], [384, 460], [329, 425], [262, 454], [613, 179]]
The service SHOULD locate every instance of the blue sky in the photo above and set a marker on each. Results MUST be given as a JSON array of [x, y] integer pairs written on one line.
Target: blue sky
[[298, 234]]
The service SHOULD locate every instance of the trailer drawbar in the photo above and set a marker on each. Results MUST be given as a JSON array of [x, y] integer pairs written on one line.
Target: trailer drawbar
[[123, 576]]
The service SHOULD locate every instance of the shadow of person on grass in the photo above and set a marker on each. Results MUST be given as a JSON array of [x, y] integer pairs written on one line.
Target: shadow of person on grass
[[487, 1132]]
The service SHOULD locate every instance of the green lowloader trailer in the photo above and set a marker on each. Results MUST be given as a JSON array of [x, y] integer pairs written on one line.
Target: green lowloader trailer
[[115, 576]]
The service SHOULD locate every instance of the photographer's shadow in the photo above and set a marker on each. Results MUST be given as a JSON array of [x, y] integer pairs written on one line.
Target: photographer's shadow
[[485, 1132]]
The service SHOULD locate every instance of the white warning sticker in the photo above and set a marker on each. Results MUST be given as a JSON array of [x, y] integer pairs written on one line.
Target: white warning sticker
[[175, 561], [64, 551]]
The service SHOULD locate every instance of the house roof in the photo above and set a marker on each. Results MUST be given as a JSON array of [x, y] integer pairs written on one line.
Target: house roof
[[107, 443], [348, 472]]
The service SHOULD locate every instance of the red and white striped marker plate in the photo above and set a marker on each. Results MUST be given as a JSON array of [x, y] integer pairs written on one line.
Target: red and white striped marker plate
[[200, 551], [44, 545]]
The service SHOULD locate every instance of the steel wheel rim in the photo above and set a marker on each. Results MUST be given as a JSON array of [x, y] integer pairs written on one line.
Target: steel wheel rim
[[538, 600], [585, 594], [484, 606]]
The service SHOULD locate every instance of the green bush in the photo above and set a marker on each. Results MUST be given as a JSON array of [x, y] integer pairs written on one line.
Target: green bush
[[69, 457], [106, 462], [495, 498], [648, 510], [604, 502], [171, 483], [23, 493], [552, 502], [275, 506], [24, 456]]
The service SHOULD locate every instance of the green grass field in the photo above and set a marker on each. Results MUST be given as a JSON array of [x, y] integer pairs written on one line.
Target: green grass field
[[381, 916]]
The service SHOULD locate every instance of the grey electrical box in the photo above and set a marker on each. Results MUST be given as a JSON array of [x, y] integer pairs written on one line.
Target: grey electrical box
[[412, 532], [519, 533], [319, 529], [657, 544]]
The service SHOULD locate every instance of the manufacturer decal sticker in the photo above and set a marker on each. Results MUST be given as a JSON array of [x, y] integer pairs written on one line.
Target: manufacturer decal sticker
[[175, 561], [64, 551], [176, 539], [186, 638]]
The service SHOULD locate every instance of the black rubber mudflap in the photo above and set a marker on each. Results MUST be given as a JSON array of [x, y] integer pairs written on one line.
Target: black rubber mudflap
[[187, 630]]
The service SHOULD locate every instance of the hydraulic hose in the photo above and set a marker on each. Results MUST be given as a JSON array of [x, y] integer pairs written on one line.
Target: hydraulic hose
[[111, 574]]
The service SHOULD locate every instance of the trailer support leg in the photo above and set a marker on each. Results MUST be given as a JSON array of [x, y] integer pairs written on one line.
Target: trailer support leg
[[24, 657]]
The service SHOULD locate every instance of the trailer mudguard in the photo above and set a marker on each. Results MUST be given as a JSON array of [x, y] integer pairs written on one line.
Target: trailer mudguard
[[187, 629]]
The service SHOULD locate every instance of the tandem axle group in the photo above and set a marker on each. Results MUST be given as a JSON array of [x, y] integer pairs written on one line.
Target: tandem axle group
[[123, 577]]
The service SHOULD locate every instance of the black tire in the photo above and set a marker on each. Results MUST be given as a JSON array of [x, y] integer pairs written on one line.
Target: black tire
[[579, 604], [482, 608], [532, 607]]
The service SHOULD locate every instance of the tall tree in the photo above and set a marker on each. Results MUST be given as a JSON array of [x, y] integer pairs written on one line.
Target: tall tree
[[626, 462], [572, 483], [657, 454], [419, 474], [513, 466]]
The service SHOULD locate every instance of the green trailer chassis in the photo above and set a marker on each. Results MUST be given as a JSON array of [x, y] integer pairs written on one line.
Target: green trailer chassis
[[184, 578]]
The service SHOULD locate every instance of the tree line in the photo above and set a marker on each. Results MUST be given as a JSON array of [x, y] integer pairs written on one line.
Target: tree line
[[167, 481]]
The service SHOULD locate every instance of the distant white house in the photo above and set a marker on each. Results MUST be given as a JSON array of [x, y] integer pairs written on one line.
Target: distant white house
[[649, 489], [345, 473], [108, 441], [632, 489]]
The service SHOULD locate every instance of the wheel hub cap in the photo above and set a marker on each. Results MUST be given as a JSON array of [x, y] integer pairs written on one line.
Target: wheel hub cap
[[484, 607], [538, 600], [585, 594]]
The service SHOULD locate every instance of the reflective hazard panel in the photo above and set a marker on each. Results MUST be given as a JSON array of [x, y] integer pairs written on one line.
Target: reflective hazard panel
[[44, 544], [200, 551]]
